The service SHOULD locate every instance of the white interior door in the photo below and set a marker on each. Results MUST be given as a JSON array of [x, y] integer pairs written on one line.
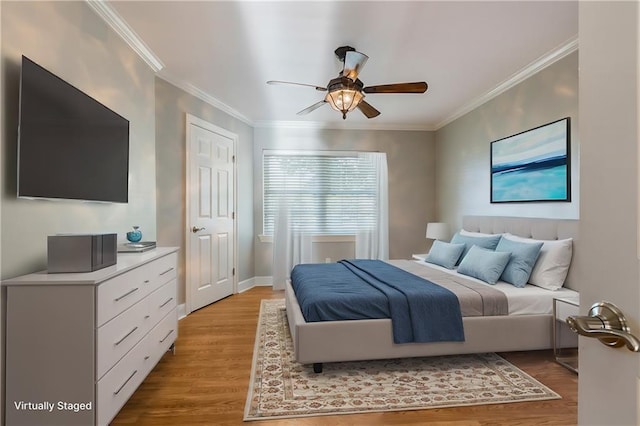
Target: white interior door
[[210, 212], [609, 252]]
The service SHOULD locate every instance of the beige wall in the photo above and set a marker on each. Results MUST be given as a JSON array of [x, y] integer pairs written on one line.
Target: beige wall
[[411, 165], [71, 41], [172, 105], [463, 145]]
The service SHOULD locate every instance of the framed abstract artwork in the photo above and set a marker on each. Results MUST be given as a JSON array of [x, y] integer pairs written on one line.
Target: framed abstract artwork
[[534, 165]]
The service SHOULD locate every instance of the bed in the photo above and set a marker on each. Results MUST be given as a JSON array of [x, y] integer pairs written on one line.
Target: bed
[[526, 327]]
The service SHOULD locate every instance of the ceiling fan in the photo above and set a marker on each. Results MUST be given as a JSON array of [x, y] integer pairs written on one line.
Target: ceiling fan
[[346, 92]]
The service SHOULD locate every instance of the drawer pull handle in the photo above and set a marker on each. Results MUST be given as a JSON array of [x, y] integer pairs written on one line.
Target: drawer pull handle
[[146, 281], [127, 335], [125, 382], [147, 316], [165, 337], [146, 357], [117, 299], [167, 271], [165, 303]]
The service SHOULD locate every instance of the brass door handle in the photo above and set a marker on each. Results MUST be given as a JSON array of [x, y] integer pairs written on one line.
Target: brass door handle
[[607, 323], [196, 229]]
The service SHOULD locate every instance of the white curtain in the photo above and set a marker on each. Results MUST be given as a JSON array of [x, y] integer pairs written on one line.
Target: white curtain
[[290, 247], [373, 243]]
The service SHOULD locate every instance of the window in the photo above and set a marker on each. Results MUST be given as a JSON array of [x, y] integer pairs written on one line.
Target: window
[[325, 194]]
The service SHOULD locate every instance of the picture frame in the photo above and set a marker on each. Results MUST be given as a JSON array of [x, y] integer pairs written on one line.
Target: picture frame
[[533, 166]]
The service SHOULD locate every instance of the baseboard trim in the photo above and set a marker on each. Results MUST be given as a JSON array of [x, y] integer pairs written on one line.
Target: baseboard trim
[[246, 285], [254, 282], [263, 281], [182, 311]]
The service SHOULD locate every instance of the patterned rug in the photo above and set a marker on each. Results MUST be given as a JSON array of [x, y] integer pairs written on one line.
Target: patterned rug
[[280, 387]]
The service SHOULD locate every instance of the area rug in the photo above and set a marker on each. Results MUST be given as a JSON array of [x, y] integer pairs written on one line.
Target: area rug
[[280, 387]]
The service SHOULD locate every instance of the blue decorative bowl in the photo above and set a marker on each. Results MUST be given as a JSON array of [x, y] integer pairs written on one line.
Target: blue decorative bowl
[[135, 235]]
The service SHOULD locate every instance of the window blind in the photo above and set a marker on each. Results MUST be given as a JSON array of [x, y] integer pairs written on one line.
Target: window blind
[[324, 194]]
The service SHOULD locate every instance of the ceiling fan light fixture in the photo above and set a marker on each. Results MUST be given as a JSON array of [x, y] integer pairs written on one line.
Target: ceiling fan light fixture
[[344, 100], [346, 92], [344, 95]]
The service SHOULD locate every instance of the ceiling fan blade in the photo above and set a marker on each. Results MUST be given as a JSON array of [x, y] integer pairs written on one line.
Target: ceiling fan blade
[[419, 87], [312, 107], [321, 89], [353, 64], [367, 109]]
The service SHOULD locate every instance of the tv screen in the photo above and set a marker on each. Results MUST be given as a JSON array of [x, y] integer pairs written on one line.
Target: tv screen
[[70, 146]]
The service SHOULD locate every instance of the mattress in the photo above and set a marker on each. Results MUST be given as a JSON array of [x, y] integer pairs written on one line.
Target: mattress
[[529, 300]]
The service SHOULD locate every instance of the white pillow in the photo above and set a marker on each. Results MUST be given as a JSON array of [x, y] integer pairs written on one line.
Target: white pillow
[[476, 234], [553, 262]]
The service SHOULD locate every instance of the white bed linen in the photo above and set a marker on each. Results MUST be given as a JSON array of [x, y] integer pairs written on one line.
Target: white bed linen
[[529, 300]]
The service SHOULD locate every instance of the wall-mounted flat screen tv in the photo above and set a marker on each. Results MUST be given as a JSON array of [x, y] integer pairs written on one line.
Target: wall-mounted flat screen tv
[[70, 146]]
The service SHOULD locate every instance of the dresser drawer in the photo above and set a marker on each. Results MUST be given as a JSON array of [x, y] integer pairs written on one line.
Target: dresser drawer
[[162, 271], [121, 292], [118, 294], [161, 338], [166, 268], [116, 337], [161, 302], [115, 387]]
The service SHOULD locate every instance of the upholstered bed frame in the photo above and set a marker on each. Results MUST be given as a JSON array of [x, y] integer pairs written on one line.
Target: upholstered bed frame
[[332, 341]]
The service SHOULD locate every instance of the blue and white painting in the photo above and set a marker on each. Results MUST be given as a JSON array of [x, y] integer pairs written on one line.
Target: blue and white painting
[[532, 166]]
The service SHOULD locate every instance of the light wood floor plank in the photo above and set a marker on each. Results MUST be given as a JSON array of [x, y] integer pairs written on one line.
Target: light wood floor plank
[[206, 382]]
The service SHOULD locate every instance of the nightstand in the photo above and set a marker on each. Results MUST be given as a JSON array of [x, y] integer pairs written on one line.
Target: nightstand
[[565, 341], [419, 256]]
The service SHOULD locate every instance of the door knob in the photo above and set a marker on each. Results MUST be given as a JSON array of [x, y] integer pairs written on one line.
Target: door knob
[[196, 229], [606, 323]]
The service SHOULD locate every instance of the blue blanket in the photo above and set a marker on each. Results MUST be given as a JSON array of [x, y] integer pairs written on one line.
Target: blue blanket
[[420, 310]]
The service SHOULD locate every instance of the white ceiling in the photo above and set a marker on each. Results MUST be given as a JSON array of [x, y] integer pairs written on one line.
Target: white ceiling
[[466, 51]]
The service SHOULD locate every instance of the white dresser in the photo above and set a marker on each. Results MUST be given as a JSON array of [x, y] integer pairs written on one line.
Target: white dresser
[[78, 345]]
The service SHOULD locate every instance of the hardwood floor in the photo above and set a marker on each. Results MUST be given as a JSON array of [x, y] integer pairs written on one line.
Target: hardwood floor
[[206, 381]]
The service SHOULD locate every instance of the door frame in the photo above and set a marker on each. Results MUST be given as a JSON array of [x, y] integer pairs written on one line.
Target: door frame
[[193, 120]]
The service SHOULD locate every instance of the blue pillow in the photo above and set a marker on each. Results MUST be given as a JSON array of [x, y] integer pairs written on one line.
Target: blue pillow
[[484, 264], [469, 241], [444, 254], [523, 258]]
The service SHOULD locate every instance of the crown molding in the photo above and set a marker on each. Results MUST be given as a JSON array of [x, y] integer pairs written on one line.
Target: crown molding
[[319, 125], [534, 67], [115, 21], [119, 25], [204, 96]]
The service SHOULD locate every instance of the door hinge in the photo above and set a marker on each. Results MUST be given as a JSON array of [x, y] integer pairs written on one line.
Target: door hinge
[[233, 158], [233, 272], [233, 215]]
